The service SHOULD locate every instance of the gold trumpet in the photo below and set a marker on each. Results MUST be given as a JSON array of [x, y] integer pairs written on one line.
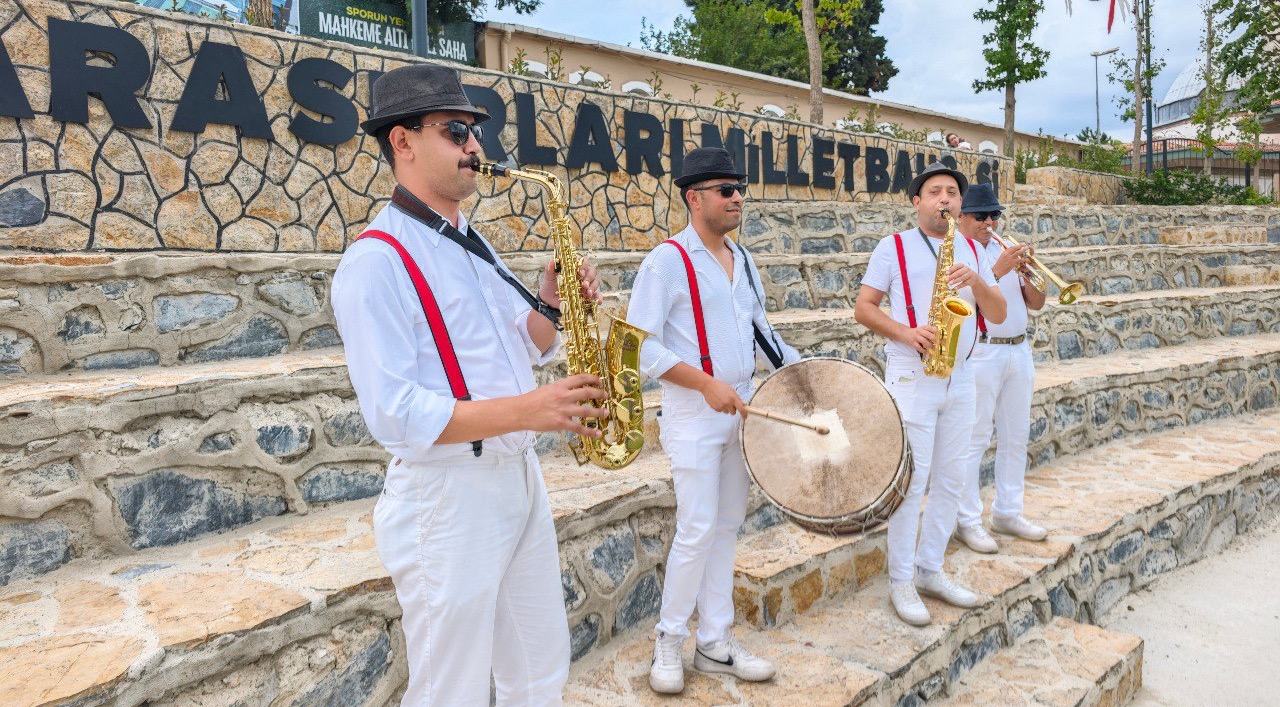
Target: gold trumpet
[[1036, 273]]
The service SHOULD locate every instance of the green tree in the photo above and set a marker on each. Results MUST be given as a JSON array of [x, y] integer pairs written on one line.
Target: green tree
[[1252, 58], [1011, 57], [733, 33], [767, 36], [443, 12], [1137, 92], [860, 65], [1211, 113]]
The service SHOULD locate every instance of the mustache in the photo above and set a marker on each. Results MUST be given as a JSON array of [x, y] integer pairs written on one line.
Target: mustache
[[472, 161]]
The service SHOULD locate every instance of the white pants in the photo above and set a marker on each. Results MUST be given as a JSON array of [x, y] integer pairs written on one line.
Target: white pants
[[711, 486], [938, 413], [1004, 378], [471, 549]]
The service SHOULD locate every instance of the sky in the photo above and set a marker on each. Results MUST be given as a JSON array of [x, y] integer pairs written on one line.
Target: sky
[[937, 47]]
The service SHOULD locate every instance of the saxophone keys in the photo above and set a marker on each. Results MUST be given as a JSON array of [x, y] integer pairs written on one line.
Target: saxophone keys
[[627, 380], [633, 440]]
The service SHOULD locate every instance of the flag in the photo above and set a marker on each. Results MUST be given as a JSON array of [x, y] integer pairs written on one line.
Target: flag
[[1111, 16]]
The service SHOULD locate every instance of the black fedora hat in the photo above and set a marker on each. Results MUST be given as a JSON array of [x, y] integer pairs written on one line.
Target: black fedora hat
[[980, 198], [707, 163], [417, 89], [934, 170]]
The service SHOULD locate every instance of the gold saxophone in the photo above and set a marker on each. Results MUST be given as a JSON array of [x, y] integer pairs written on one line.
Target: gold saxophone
[[947, 312], [617, 362]]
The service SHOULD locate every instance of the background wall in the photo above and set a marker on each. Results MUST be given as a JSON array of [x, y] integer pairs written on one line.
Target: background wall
[[94, 186]]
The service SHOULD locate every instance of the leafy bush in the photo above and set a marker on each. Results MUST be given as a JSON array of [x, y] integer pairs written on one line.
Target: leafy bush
[[1189, 188], [1102, 154]]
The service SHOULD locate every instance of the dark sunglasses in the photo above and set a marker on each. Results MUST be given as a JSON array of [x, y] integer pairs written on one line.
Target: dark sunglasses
[[458, 130], [726, 190], [984, 215]]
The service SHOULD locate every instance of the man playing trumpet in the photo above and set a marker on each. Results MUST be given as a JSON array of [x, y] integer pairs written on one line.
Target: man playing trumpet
[[938, 412], [1004, 376]]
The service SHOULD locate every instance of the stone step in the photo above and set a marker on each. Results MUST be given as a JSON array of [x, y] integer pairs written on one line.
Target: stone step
[[1061, 663], [1093, 326], [299, 608], [90, 456], [130, 310], [1252, 274], [783, 570], [1118, 517], [1222, 234]]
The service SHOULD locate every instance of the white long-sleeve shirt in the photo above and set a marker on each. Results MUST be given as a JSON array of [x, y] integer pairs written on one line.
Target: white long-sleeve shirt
[[661, 305], [392, 358]]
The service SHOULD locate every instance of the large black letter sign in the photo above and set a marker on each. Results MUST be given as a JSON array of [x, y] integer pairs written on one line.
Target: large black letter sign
[[72, 81], [590, 141], [221, 65], [642, 141], [13, 101], [309, 94]]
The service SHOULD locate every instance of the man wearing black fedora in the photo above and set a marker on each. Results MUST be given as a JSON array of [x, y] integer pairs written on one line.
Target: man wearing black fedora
[[1004, 377], [439, 340], [698, 296], [938, 412]]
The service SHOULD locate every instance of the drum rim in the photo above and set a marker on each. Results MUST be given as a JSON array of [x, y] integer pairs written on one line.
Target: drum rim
[[904, 460]]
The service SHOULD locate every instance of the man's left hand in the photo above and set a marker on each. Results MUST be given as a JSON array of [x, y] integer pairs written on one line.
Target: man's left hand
[[588, 282]]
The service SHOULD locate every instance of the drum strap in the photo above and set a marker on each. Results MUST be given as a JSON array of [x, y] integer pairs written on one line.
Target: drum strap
[[439, 332], [704, 350], [906, 282], [982, 323]]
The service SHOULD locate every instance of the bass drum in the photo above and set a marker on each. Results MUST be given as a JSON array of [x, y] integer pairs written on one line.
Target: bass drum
[[848, 481]]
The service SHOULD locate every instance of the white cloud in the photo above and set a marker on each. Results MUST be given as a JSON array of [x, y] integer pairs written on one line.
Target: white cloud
[[937, 47]]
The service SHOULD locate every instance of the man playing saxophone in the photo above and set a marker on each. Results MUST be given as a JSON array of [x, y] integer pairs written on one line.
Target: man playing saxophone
[[937, 411], [439, 340], [1004, 378], [697, 295]]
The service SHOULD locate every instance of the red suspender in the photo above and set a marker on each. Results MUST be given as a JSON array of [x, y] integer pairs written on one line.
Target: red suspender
[[703, 349], [906, 283], [444, 345], [982, 323]]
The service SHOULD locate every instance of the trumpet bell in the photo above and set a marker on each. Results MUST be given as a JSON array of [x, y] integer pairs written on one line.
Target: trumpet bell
[[1070, 293]]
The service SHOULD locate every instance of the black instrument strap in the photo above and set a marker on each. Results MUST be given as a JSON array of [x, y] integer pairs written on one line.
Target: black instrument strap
[[773, 351], [929, 244], [413, 207]]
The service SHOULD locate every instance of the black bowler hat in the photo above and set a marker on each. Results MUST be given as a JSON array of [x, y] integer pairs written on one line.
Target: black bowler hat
[[934, 170], [979, 199], [416, 89], [707, 163]]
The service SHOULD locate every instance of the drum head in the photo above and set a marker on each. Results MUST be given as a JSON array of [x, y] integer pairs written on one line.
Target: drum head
[[820, 477]]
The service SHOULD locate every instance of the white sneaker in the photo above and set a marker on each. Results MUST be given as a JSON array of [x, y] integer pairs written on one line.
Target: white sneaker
[[906, 601], [732, 658], [939, 586], [1018, 526], [975, 537], [666, 673]]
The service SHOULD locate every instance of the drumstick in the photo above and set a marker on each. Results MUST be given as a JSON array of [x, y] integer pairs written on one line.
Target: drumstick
[[789, 420]]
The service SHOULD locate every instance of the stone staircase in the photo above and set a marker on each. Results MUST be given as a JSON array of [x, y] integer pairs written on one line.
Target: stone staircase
[[185, 516]]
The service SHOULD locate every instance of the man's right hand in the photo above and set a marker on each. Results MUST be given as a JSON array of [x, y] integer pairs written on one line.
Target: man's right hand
[[921, 338], [722, 397], [557, 406]]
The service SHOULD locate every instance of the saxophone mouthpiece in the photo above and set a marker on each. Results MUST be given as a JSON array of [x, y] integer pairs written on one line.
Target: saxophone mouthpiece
[[488, 169]]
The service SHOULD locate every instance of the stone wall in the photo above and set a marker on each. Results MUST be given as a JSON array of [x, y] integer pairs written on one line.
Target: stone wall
[[69, 186], [1094, 187], [99, 311]]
